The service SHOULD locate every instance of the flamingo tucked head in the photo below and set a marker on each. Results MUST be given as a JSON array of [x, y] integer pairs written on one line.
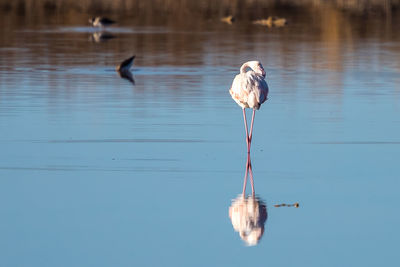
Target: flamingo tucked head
[[255, 65]]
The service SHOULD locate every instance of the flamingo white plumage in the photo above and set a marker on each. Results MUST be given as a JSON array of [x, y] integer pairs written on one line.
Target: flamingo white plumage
[[249, 90]]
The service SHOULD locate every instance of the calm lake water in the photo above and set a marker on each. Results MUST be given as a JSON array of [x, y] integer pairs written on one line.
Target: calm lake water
[[96, 171]]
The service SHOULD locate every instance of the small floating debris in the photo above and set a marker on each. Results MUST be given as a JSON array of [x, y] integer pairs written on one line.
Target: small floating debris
[[229, 19], [296, 205], [271, 22]]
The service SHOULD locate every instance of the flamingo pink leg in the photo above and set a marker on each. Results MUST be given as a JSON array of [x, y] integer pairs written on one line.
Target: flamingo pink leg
[[245, 178], [251, 178], [247, 133], [251, 130], [248, 170]]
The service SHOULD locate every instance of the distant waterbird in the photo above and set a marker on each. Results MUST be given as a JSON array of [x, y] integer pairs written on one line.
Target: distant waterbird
[[123, 69], [229, 19], [101, 21], [126, 64], [271, 22], [249, 90]]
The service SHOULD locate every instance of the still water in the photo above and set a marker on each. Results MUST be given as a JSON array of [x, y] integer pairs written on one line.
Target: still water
[[97, 171]]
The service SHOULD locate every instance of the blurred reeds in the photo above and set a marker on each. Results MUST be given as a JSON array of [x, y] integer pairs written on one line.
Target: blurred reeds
[[327, 35], [198, 8]]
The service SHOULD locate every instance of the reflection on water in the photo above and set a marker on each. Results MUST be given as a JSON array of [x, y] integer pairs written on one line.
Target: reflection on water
[[98, 37], [124, 71], [248, 214], [126, 74], [70, 126]]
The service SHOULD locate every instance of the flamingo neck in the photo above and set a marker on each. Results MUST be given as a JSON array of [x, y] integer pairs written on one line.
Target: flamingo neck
[[244, 67]]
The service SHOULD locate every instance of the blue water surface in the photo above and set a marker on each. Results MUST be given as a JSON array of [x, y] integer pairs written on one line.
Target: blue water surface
[[96, 171]]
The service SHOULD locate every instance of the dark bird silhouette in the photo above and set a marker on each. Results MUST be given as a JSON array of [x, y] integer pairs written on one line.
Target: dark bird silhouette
[[101, 21], [123, 69], [126, 64]]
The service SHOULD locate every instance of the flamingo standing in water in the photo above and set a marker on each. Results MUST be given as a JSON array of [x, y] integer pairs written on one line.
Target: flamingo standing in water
[[249, 90]]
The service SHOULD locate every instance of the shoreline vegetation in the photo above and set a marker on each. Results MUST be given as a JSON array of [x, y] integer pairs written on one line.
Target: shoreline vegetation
[[197, 9]]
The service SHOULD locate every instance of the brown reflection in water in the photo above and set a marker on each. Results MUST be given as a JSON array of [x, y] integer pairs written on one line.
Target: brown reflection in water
[[321, 43], [204, 8], [328, 34], [248, 214]]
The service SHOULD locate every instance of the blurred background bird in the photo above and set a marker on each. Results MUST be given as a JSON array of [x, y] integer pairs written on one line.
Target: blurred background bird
[[126, 64], [100, 21], [123, 69], [271, 22], [229, 19]]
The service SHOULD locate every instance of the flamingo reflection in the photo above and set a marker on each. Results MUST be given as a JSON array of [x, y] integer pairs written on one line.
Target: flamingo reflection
[[248, 214], [98, 37]]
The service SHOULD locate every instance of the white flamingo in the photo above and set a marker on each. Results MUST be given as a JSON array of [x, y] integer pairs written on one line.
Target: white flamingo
[[249, 90]]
